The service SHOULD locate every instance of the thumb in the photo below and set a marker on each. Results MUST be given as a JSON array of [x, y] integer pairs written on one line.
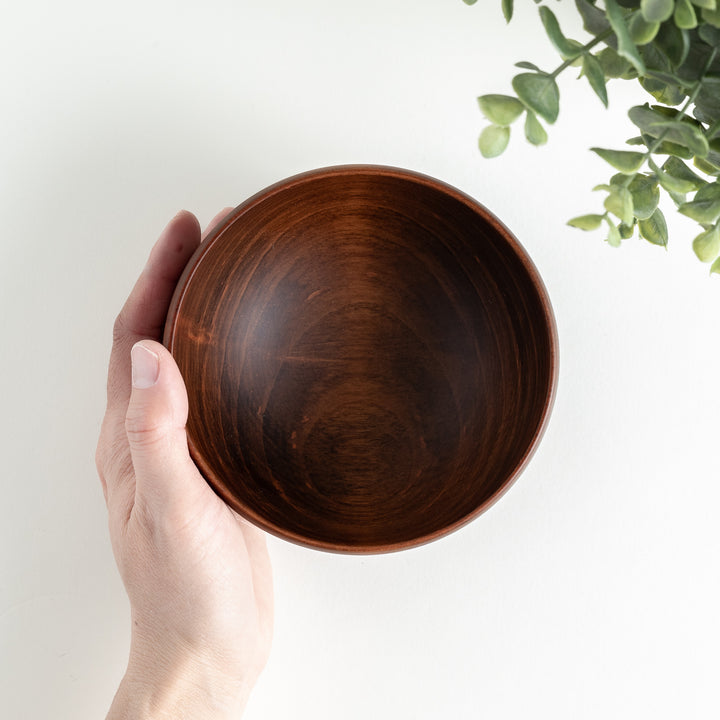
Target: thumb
[[165, 475]]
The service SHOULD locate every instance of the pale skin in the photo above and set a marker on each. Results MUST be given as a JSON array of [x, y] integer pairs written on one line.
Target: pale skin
[[197, 575]]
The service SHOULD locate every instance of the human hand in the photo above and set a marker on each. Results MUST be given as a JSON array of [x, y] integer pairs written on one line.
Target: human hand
[[197, 575]]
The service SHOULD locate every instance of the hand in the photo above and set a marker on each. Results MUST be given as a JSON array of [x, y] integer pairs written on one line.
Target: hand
[[197, 575]]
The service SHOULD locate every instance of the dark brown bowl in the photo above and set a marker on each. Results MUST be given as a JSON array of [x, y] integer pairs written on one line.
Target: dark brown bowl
[[370, 358]]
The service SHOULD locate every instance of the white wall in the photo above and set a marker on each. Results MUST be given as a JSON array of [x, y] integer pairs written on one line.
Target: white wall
[[590, 590]]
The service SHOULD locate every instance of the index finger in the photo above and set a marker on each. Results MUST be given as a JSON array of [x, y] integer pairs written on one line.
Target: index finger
[[143, 314]]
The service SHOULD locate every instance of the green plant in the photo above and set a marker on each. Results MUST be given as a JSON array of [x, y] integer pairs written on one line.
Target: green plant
[[672, 48]]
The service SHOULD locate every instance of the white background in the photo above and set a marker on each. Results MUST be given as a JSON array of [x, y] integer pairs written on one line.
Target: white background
[[590, 590]]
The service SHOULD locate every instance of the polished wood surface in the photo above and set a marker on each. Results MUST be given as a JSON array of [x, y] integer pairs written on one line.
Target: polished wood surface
[[370, 358]]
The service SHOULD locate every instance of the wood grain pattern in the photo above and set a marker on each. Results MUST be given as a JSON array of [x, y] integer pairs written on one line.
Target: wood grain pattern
[[370, 358]]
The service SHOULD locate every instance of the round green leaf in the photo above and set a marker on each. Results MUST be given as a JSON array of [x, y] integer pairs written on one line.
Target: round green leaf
[[626, 231], [654, 229], [641, 31], [684, 15], [712, 17], [620, 203], [493, 140], [540, 93], [645, 195], [657, 10], [612, 64], [500, 109], [715, 267], [626, 161], [707, 244], [586, 222], [705, 206], [534, 131]]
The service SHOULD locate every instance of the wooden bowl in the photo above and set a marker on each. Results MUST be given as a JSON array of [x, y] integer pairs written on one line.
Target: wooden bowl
[[370, 358]]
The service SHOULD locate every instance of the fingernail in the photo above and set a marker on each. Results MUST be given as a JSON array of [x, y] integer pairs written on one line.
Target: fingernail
[[145, 366]]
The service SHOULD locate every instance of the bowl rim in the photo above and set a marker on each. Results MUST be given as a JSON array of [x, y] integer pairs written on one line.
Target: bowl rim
[[508, 238]]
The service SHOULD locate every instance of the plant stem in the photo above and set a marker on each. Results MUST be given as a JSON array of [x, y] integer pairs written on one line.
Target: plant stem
[[581, 51]]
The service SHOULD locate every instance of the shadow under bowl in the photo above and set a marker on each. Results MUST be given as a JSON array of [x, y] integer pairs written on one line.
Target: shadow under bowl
[[370, 358]]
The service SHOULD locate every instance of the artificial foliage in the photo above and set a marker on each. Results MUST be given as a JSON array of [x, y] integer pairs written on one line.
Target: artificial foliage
[[672, 48]]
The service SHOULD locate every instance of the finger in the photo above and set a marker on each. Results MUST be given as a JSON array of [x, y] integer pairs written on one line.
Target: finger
[[166, 479], [144, 312], [216, 221]]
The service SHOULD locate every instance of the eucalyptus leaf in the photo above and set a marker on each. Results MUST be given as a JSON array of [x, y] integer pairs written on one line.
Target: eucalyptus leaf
[[704, 166], [645, 195], [673, 42], [596, 77], [500, 109], [626, 231], [663, 93], [507, 9], [670, 148], [534, 131], [645, 117], [565, 47], [620, 203], [654, 229], [586, 222], [683, 134], [594, 19], [710, 4], [493, 140], [707, 244], [678, 169], [715, 267], [528, 66], [711, 17], [540, 93], [625, 46], [469, 2], [671, 183], [641, 31], [626, 161], [684, 15], [656, 10], [713, 159], [705, 206], [708, 33], [667, 78], [613, 238], [677, 198], [612, 64]]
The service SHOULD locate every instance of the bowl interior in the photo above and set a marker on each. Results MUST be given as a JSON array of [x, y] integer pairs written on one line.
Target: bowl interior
[[369, 358]]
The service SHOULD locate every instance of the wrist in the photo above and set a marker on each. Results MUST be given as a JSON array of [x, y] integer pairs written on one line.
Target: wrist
[[160, 689]]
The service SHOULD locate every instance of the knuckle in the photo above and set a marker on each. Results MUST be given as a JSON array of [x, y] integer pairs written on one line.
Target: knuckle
[[143, 432]]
